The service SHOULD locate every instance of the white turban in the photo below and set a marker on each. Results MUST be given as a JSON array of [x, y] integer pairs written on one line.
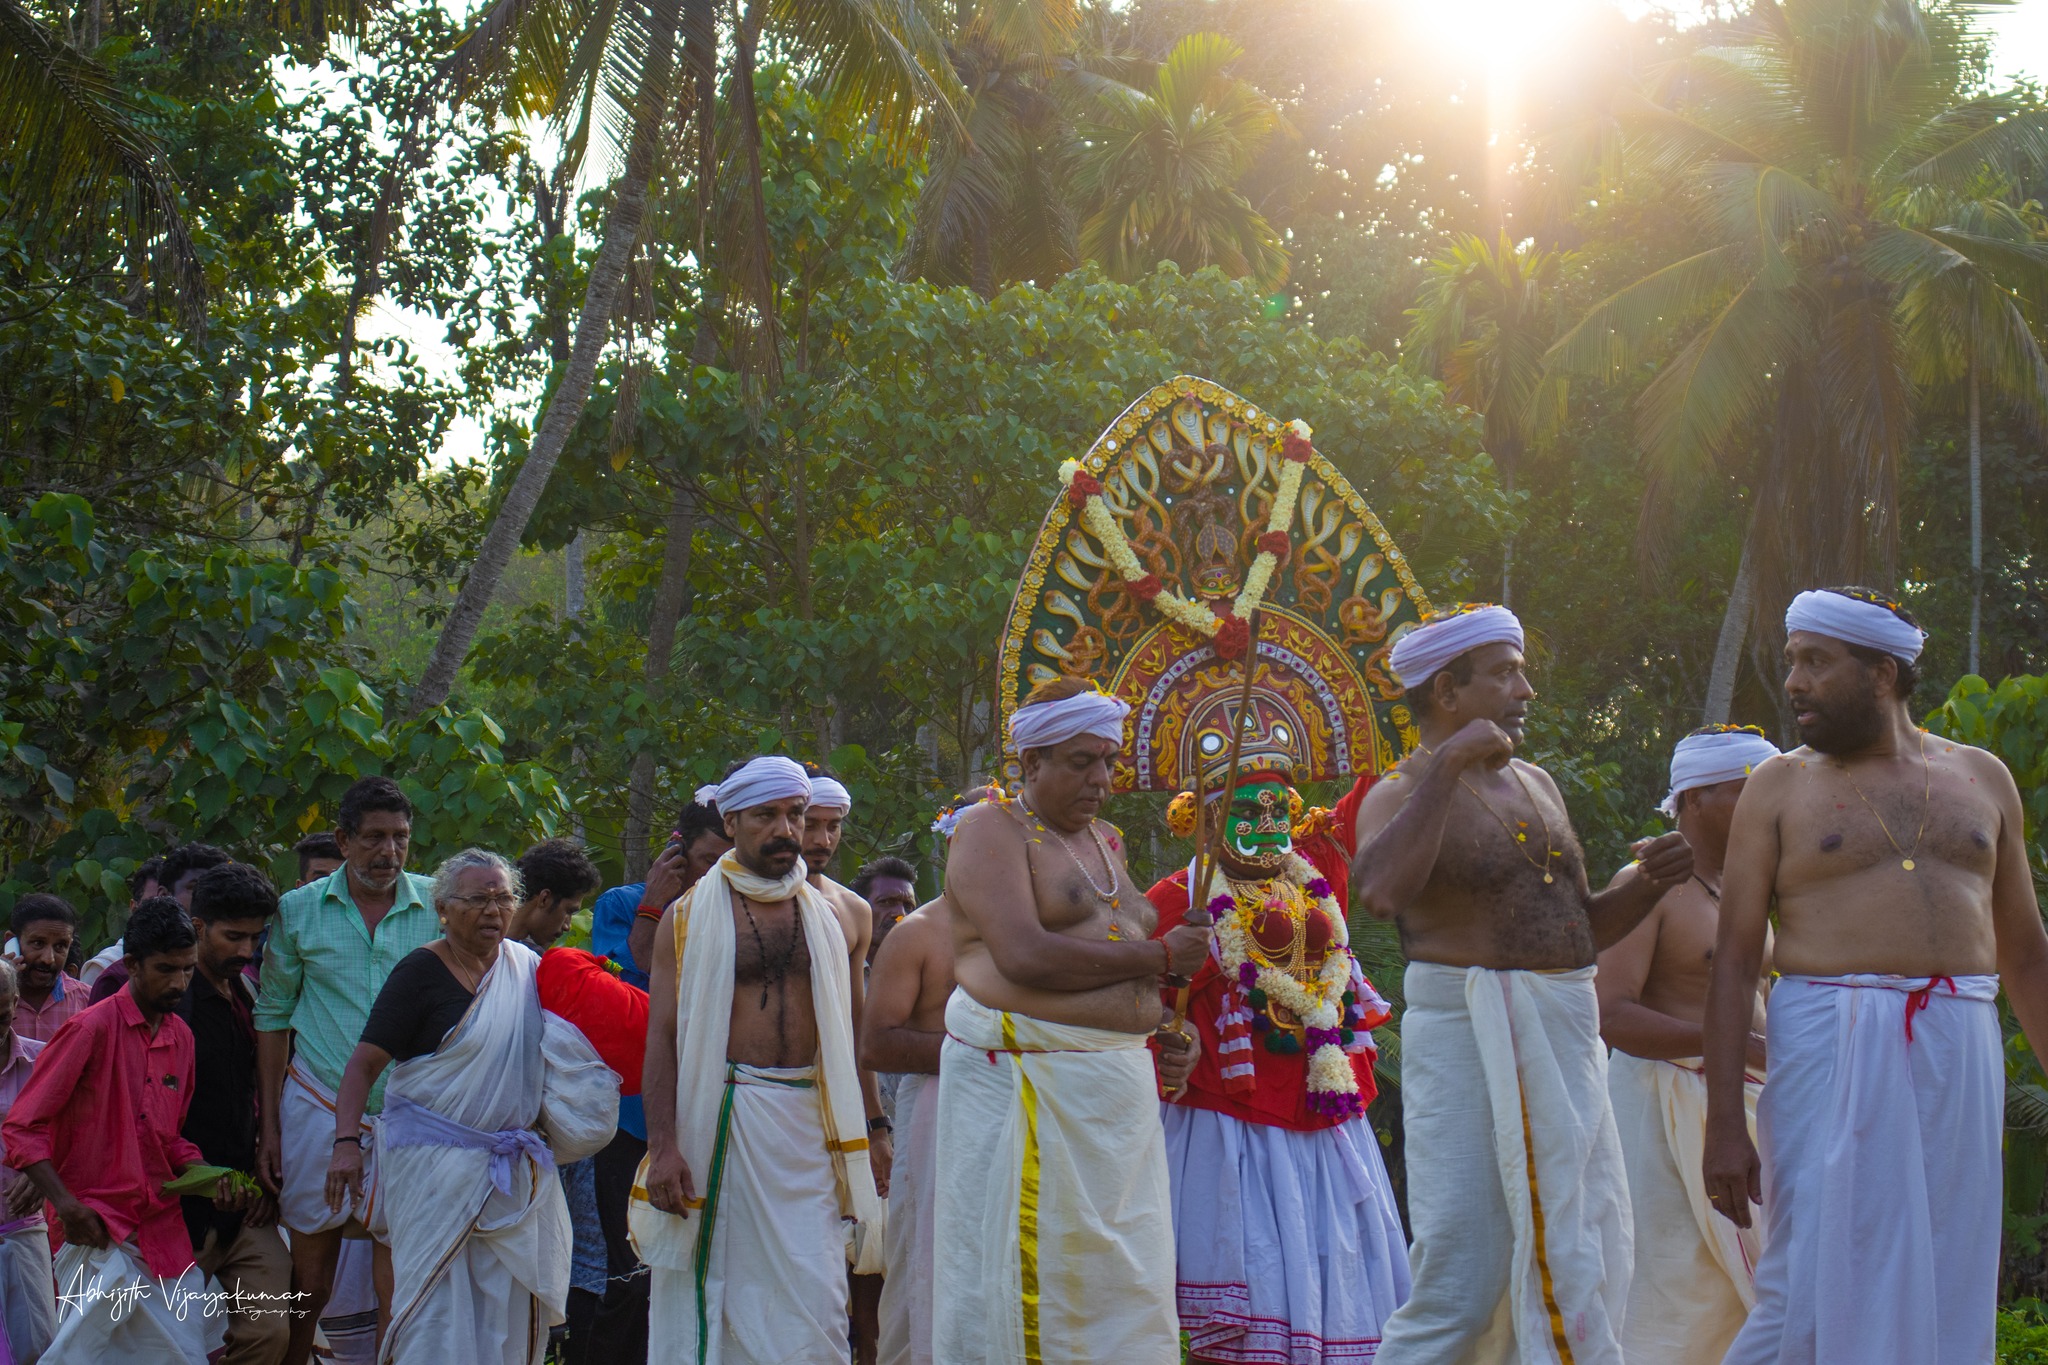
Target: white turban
[[1046, 723], [1720, 756], [829, 793], [1842, 617], [768, 778], [1419, 654], [706, 795]]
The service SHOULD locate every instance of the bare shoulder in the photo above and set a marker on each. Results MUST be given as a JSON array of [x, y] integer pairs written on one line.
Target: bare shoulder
[[1537, 777], [1772, 781], [1983, 766], [1385, 797], [987, 824]]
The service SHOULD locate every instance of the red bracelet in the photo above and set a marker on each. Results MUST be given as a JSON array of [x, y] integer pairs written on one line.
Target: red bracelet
[[648, 912]]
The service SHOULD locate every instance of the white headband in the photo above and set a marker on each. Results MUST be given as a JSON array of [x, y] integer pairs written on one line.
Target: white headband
[[1705, 760], [706, 795], [1046, 723], [769, 778], [1841, 617], [829, 793], [1418, 655]]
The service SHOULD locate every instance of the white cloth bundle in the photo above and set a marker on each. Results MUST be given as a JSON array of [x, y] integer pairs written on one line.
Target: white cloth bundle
[[1516, 1188], [1424, 649], [1881, 1134], [114, 1309], [1709, 759], [768, 778], [705, 946], [1695, 1271], [1841, 617], [1053, 1230], [579, 1102], [28, 1301], [480, 1249], [1044, 724]]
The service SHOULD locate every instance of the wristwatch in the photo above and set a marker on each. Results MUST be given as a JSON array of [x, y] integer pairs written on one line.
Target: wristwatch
[[880, 1124]]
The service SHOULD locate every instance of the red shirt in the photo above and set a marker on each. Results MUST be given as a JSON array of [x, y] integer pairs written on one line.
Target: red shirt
[[104, 1104], [1281, 1097], [583, 989]]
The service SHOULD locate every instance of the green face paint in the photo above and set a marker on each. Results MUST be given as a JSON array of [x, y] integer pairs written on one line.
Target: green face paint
[[1260, 824]]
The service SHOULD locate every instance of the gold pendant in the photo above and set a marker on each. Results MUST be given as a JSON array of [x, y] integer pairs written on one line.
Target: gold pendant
[[1907, 864], [1548, 879]]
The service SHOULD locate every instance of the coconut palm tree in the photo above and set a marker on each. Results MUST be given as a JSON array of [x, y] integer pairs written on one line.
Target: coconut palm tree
[[601, 67], [1484, 319], [1798, 142], [1156, 173]]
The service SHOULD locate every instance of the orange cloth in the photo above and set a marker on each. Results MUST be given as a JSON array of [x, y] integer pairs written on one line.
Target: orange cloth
[[582, 988]]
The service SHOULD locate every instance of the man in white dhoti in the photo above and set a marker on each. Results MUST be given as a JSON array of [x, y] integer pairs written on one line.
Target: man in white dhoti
[[1695, 1271], [1052, 1227], [756, 1194], [1516, 1190], [480, 1240], [1897, 867], [901, 1034], [28, 1302]]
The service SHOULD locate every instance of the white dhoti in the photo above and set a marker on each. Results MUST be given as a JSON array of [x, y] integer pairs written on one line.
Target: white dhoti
[[906, 1312], [112, 1308], [28, 1297], [755, 1274], [1516, 1187], [1880, 1132], [1695, 1272], [306, 1134], [480, 1243], [1053, 1228], [1290, 1246]]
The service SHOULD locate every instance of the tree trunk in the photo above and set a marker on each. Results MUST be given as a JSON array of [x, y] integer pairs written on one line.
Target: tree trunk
[[572, 578], [671, 597], [1507, 549], [1976, 521], [1734, 627], [565, 406]]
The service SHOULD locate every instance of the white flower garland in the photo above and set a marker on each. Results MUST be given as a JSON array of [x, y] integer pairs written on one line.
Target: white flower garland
[[1318, 1006], [1197, 616]]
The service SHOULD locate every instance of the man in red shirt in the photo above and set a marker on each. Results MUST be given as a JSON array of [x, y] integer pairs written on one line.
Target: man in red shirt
[[97, 1129], [1290, 1245]]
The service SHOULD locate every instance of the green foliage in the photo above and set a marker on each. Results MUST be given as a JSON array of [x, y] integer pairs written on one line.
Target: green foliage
[[2023, 1333], [163, 692], [2011, 720]]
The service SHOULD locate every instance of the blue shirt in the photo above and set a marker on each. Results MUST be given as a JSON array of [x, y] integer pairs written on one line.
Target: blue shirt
[[611, 919]]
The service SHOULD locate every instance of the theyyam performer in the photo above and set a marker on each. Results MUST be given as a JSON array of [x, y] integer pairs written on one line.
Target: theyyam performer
[[1051, 1223], [1516, 1190], [756, 1195], [1695, 1271], [1289, 1243], [1897, 868]]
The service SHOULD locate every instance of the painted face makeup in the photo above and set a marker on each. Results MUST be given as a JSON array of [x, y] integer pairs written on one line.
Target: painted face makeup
[[1260, 824]]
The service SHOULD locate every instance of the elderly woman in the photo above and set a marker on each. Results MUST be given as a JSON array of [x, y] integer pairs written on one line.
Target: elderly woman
[[479, 1227]]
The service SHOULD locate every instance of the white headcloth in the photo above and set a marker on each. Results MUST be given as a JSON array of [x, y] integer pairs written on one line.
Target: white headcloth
[[1044, 724], [706, 795], [1841, 617], [768, 778], [1706, 760], [1428, 647], [829, 793]]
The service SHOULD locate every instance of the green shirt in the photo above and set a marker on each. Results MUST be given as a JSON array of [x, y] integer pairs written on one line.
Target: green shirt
[[322, 968]]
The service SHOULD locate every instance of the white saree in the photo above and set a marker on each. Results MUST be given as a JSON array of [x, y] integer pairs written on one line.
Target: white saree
[[1053, 1223], [1516, 1188], [479, 1226], [1880, 1133], [1695, 1271], [756, 1273]]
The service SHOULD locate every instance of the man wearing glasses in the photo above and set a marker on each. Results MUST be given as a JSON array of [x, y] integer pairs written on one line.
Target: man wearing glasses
[[332, 945]]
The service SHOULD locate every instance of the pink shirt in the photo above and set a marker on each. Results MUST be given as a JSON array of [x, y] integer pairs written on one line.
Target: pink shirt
[[15, 1064], [67, 997], [105, 1103]]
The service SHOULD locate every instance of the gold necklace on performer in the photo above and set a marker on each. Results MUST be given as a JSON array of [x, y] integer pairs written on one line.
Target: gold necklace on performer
[[1926, 805], [1110, 896], [1520, 836]]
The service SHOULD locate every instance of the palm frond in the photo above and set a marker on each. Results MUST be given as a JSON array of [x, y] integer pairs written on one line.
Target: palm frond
[[1611, 337], [884, 59], [76, 147], [1954, 149]]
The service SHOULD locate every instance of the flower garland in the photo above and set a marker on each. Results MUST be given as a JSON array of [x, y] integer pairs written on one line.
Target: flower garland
[[949, 816], [1330, 1008], [1230, 630]]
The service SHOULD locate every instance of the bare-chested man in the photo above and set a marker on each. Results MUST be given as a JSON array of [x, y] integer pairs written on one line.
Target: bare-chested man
[[1053, 1235], [1898, 872], [1695, 1272], [901, 1033], [756, 1194], [1516, 1191]]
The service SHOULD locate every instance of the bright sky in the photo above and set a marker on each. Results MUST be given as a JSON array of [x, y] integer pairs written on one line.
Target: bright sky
[[1500, 36]]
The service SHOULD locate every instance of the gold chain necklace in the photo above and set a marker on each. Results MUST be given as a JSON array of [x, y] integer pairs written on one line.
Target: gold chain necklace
[[1520, 836], [1102, 847], [1926, 805]]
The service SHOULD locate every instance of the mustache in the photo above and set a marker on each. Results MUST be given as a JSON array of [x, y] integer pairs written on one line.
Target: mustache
[[778, 846]]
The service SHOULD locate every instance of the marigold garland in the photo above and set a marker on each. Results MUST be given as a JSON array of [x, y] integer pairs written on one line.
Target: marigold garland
[[1229, 628]]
